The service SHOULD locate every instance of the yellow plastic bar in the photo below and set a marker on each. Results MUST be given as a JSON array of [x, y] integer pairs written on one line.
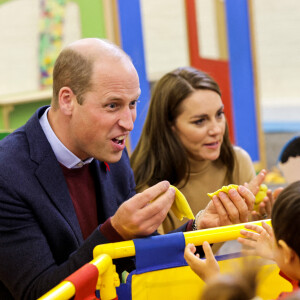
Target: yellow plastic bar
[[211, 235], [218, 234], [103, 255], [66, 290], [115, 250]]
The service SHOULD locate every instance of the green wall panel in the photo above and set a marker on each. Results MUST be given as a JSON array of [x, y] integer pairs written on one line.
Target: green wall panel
[[23, 112], [92, 18], [3, 1]]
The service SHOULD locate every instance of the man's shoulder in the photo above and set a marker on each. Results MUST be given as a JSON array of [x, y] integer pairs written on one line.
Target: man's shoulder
[[13, 143], [17, 147], [14, 149]]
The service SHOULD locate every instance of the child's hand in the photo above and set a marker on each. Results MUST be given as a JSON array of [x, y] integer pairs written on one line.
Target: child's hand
[[204, 268], [260, 242]]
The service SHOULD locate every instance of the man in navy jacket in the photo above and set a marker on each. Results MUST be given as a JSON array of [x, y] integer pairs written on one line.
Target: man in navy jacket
[[65, 175], [42, 240]]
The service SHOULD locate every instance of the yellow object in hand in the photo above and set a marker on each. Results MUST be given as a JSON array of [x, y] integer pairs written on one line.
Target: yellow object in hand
[[262, 193], [224, 189], [181, 207]]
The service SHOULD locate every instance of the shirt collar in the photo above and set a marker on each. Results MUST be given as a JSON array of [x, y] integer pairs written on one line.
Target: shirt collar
[[62, 153]]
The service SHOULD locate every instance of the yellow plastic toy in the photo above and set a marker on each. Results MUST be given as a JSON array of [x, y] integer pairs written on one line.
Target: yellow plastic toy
[[181, 207], [258, 198], [224, 189], [262, 193]]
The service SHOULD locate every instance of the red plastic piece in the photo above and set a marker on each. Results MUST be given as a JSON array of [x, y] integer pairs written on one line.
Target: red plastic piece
[[84, 280]]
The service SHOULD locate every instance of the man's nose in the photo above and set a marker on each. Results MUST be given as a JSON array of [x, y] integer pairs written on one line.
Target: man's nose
[[127, 119]]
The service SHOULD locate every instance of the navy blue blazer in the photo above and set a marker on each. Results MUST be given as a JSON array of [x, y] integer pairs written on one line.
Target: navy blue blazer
[[40, 237]]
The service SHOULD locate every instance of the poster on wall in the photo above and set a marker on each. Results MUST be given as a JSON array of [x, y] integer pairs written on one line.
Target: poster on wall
[[31, 42]]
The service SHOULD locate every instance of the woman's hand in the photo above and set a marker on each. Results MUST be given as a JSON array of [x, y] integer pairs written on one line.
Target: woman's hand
[[254, 184], [205, 268], [227, 208], [265, 207]]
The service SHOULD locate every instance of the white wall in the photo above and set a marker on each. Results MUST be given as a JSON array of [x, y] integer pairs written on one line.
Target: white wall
[[19, 43], [276, 30], [277, 35], [18, 46], [165, 38]]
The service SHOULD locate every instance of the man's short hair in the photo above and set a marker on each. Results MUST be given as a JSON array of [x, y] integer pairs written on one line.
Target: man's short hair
[[74, 70]]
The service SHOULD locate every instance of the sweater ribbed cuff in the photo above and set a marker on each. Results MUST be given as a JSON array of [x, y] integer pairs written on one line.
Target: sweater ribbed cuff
[[189, 226], [109, 232]]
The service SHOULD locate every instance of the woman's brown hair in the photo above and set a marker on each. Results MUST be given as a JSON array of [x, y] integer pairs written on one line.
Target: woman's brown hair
[[160, 154]]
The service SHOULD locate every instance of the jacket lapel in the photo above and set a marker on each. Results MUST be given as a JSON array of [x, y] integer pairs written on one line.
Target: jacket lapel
[[49, 173], [52, 179], [106, 199]]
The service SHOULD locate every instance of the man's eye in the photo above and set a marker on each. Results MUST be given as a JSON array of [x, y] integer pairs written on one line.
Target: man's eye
[[134, 103], [112, 105]]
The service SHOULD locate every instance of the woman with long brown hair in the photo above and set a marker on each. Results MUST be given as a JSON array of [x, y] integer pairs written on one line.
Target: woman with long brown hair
[[185, 140]]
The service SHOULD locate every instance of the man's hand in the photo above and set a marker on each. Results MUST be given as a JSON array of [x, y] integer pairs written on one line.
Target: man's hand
[[227, 209], [205, 268], [259, 242], [139, 216]]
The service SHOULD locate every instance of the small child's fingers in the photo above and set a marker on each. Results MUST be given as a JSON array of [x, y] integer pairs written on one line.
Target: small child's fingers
[[247, 242], [189, 251], [250, 234], [267, 227], [247, 252], [191, 247], [253, 227], [208, 251]]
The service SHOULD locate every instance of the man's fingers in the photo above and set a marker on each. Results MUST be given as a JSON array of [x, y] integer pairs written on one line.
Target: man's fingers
[[161, 205], [142, 199], [140, 215]]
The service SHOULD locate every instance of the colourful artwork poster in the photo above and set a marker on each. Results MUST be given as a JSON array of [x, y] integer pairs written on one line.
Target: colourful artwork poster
[[51, 37]]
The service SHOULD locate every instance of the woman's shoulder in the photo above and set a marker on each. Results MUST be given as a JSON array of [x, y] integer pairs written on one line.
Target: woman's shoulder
[[241, 154], [244, 169]]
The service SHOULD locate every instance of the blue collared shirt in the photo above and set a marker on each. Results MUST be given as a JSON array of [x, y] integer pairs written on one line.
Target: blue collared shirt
[[62, 153]]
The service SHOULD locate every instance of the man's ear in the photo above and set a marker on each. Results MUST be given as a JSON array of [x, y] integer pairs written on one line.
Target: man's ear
[[289, 255], [66, 99]]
